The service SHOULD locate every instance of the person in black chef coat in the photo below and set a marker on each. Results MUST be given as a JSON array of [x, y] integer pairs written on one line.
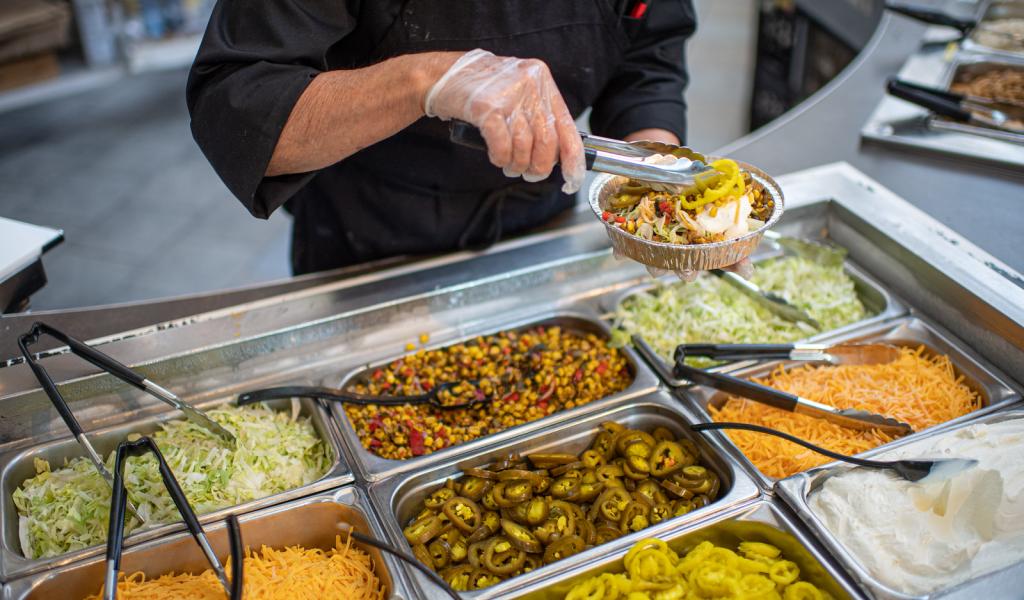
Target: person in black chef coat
[[336, 109]]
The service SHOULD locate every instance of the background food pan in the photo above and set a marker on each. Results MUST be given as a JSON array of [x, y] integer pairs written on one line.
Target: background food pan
[[912, 332], [795, 491], [373, 468], [399, 499], [761, 521], [309, 522], [18, 466]]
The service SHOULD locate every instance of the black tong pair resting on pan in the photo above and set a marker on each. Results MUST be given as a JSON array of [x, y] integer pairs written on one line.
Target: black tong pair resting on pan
[[682, 374], [118, 507], [115, 368], [233, 588], [973, 110]]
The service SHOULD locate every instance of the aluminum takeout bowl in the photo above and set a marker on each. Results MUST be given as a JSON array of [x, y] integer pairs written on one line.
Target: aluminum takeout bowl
[[683, 257]]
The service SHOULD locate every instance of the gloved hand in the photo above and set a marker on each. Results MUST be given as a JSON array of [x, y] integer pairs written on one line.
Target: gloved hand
[[518, 109]]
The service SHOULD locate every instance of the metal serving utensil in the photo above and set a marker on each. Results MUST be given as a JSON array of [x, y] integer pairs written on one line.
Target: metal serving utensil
[[776, 304], [846, 417], [122, 372], [115, 534], [617, 157], [917, 470], [347, 397], [954, 106], [838, 354]]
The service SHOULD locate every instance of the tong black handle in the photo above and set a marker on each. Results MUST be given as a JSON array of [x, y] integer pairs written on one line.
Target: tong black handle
[[863, 462], [935, 103], [735, 385], [932, 16], [119, 501], [325, 393], [237, 556], [733, 351], [468, 135], [87, 352], [47, 382], [946, 94], [408, 559]]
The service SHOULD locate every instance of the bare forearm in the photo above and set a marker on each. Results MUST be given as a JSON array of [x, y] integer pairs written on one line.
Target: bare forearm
[[342, 112], [653, 135]]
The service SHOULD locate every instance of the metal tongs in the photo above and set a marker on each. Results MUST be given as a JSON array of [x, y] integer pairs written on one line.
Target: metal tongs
[[852, 418], [973, 110], [617, 157], [932, 16], [119, 501], [834, 354], [348, 397], [115, 368]]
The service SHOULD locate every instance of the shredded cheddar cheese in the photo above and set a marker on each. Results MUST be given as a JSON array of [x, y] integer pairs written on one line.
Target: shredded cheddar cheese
[[293, 573], [920, 390]]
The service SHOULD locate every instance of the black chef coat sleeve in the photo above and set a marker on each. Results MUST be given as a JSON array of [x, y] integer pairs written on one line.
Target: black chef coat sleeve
[[646, 91], [255, 60]]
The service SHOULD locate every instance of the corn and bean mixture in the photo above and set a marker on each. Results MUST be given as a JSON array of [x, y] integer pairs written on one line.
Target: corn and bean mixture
[[528, 374]]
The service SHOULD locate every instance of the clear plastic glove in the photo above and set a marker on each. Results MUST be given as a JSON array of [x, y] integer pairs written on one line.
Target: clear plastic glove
[[518, 109]]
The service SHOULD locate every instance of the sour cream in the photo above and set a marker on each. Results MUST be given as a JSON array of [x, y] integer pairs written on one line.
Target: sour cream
[[922, 537]]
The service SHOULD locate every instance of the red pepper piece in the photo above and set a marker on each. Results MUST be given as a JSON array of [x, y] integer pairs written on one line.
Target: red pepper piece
[[416, 442], [620, 219], [602, 367]]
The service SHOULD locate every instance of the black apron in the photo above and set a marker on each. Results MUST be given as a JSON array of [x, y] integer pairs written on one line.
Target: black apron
[[416, 192]]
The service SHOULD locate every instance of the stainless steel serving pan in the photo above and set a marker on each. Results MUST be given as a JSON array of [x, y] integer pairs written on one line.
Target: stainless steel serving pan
[[18, 466], [996, 11], [973, 64], [372, 467], [398, 499], [879, 303], [795, 491], [312, 522], [978, 374], [760, 521]]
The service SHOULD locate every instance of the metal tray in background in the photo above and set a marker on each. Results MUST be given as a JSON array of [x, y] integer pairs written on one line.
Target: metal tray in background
[[994, 12], [309, 522], [974, 64], [373, 468], [400, 499], [878, 302], [18, 466], [977, 374], [761, 521], [797, 489]]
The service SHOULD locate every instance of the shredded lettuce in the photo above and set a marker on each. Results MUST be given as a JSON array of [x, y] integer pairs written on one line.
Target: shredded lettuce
[[67, 509], [712, 311]]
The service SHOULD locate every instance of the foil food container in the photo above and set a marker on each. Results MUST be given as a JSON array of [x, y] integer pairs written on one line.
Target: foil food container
[[312, 522], [683, 257], [398, 499], [372, 467], [760, 521], [797, 490], [912, 332], [17, 466]]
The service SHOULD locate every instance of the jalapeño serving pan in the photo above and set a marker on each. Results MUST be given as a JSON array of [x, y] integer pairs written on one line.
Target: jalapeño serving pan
[[760, 521], [879, 304], [309, 522], [18, 466], [373, 467], [398, 499], [911, 332], [796, 490]]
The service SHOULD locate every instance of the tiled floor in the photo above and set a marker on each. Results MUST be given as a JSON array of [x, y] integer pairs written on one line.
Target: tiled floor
[[145, 216]]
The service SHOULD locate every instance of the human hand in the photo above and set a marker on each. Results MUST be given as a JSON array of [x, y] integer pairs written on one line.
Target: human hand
[[519, 111]]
